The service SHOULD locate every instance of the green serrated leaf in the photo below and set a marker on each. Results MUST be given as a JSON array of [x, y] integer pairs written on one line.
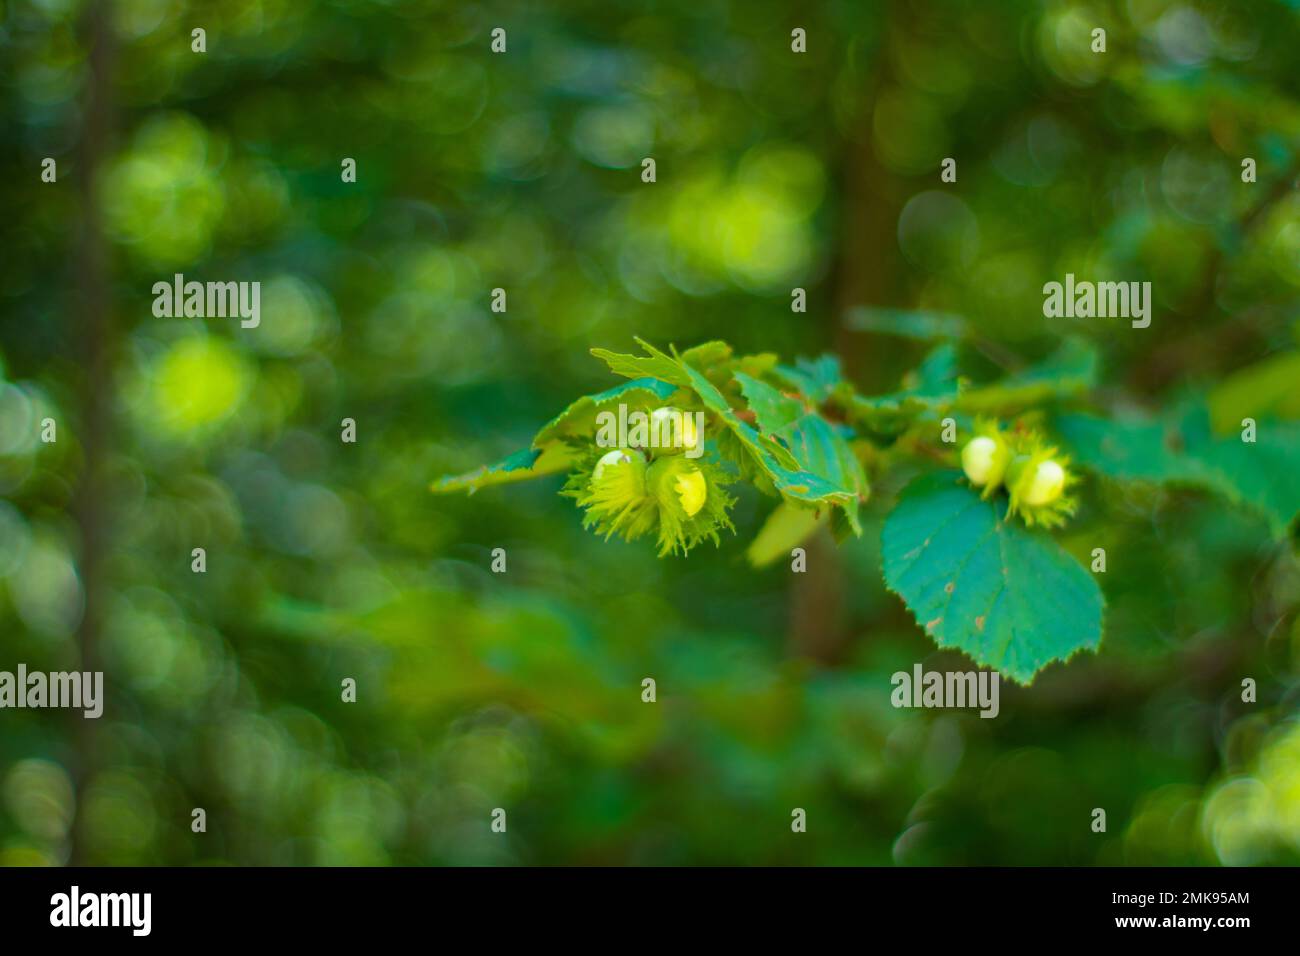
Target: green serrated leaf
[[521, 466], [718, 363], [772, 410], [817, 379], [1012, 599], [819, 447], [580, 417], [707, 354], [655, 365], [822, 449]]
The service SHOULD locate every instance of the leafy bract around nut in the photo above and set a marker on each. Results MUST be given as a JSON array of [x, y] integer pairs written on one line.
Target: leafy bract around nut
[[680, 501], [1036, 476]]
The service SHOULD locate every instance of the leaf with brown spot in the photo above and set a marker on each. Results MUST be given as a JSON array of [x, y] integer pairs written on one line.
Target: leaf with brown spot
[[1010, 598]]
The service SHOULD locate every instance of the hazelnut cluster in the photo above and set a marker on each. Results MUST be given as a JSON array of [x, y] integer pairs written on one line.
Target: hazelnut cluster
[[1037, 478], [632, 492]]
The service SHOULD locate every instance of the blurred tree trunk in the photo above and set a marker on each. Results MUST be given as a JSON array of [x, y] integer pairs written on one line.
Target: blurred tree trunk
[[90, 307], [866, 252]]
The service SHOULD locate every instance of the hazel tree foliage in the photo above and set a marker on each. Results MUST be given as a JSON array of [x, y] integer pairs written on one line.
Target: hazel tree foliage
[[968, 545]]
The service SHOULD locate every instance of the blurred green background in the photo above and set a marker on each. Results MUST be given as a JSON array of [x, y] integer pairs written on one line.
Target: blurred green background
[[522, 171]]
